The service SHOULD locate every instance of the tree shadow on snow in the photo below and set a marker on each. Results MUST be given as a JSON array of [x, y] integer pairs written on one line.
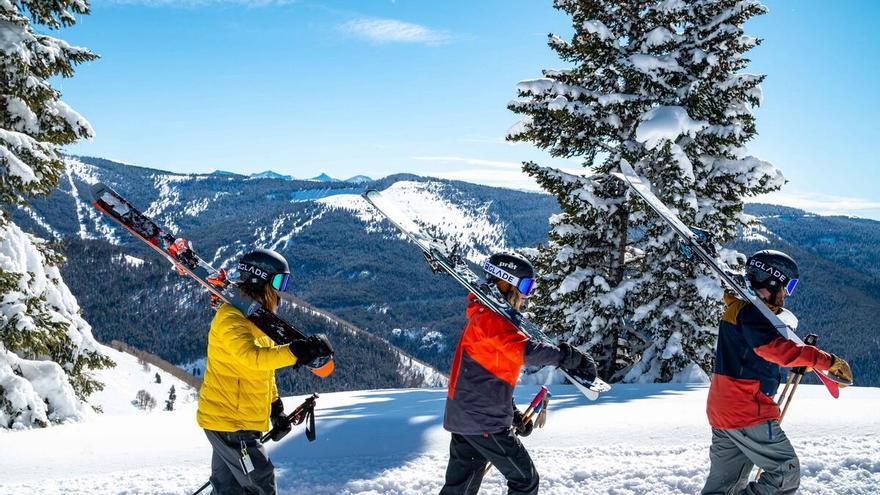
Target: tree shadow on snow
[[382, 430]]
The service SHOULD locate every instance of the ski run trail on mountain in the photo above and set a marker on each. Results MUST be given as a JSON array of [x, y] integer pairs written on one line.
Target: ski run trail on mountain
[[636, 439]]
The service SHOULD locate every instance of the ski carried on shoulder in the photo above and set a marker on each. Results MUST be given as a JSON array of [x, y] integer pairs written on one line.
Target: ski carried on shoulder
[[696, 242], [187, 262], [441, 259]]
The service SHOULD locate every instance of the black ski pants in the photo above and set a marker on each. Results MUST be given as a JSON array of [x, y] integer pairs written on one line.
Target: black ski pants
[[468, 455], [228, 476]]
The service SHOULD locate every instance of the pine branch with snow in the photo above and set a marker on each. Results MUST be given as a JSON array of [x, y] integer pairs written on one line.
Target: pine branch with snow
[[658, 84], [46, 349], [33, 119]]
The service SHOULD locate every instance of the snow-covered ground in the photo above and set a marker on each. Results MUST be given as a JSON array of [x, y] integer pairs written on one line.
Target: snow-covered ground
[[637, 439]]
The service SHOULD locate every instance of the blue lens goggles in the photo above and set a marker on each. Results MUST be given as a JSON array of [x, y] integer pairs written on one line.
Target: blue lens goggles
[[526, 286], [280, 281], [789, 287]]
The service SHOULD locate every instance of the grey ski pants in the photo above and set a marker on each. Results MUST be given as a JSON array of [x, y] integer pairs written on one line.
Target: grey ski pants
[[468, 455], [227, 474], [735, 452]]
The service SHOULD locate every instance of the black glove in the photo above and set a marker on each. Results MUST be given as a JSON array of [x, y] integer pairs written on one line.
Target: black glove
[[310, 349], [280, 423], [578, 364], [522, 427]]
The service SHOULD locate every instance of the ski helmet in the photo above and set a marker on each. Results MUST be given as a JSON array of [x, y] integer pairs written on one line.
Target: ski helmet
[[262, 266], [772, 270], [513, 269]]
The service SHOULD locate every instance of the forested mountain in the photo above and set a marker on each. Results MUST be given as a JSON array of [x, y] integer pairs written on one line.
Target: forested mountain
[[347, 262]]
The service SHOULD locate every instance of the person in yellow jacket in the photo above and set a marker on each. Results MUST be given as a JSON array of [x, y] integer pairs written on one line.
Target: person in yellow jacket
[[238, 399]]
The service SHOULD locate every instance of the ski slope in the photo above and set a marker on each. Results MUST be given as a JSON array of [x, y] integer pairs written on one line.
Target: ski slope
[[636, 439]]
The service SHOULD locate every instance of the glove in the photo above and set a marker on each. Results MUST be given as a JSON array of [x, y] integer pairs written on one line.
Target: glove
[[311, 348], [521, 425], [280, 423], [840, 369], [577, 363]]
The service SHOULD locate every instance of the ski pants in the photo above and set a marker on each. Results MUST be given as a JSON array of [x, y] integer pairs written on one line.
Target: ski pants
[[468, 455], [734, 452], [228, 474]]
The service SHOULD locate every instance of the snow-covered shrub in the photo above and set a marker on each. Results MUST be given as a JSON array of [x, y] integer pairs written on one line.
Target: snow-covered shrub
[[660, 85], [46, 349], [144, 401]]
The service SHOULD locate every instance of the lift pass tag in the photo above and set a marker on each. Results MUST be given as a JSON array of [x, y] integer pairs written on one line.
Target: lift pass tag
[[246, 464]]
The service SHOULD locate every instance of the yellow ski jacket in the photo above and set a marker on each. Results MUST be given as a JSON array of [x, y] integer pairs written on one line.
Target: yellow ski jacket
[[239, 384]]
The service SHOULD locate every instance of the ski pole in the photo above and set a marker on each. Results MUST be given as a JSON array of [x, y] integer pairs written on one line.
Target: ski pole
[[535, 407], [303, 412], [794, 379]]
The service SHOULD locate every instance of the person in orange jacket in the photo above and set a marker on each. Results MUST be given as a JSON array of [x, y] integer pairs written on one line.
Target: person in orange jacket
[[480, 412], [748, 359]]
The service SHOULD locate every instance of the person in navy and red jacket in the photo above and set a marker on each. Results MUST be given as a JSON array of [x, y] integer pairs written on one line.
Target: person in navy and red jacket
[[748, 359], [480, 412]]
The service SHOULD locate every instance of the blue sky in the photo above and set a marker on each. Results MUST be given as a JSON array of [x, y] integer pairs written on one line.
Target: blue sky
[[378, 87]]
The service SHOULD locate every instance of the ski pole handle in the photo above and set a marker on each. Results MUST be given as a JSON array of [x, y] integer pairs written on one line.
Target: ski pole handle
[[539, 397], [304, 411], [810, 339]]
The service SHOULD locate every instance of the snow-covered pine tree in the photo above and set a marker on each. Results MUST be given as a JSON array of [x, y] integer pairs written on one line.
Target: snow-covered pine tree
[[46, 349], [657, 84]]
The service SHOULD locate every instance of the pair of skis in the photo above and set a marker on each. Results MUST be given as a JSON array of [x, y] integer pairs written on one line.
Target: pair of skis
[[446, 260], [187, 262], [697, 243]]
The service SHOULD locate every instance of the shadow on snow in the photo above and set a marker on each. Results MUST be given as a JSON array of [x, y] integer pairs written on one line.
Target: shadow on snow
[[383, 430]]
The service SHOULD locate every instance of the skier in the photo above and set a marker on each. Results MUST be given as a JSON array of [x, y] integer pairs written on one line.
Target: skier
[[480, 412], [743, 415], [238, 397]]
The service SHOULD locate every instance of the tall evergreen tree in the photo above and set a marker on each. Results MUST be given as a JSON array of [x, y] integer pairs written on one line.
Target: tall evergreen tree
[[657, 84], [46, 349]]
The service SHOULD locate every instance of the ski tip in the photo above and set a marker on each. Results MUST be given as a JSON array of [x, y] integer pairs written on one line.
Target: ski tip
[[96, 189], [325, 369], [832, 386]]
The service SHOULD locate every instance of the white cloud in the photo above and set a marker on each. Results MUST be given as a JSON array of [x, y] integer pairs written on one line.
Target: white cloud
[[469, 161], [509, 178], [394, 31], [823, 204]]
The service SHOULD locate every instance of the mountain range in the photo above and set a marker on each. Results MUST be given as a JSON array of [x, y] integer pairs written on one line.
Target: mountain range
[[378, 300], [271, 174]]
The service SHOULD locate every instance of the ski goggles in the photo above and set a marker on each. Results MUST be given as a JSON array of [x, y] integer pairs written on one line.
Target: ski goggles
[[761, 277], [280, 281], [525, 285]]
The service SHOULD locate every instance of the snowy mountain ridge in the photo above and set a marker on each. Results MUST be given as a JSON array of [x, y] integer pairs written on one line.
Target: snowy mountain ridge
[[348, 262], [464, 224]]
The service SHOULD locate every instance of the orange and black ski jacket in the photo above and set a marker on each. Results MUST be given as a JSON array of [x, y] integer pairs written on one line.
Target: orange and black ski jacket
[[748, 360], [487, 364]]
